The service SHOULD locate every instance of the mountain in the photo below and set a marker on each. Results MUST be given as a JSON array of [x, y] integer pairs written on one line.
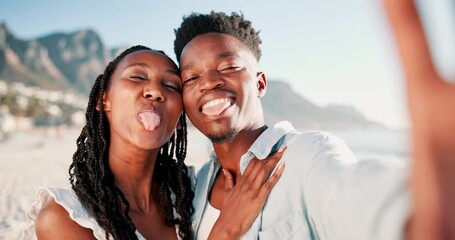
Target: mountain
[[26, 61], [282, 103], [56, 61], [80, 56], [72, 61]]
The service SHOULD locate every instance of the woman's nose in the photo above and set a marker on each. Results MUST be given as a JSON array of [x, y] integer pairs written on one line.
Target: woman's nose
[[154, 94]]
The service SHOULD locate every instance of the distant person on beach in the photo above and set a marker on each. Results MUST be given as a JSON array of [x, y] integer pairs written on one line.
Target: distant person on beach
[[325, 192], [431, 102], [128, 176]]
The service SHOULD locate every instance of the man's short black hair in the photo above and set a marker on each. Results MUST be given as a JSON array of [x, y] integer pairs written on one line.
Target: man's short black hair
[[217, 22]]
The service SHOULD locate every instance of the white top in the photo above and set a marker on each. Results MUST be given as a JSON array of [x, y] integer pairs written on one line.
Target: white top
[[210, 216], [68, 200]]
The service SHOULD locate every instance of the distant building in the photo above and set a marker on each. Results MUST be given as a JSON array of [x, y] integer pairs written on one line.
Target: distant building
[[7, 123]]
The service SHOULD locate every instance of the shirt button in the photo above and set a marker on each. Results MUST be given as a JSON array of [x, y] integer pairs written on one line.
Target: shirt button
[[193, 224]]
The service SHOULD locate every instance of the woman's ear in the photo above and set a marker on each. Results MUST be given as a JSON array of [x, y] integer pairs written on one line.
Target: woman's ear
[[102, 103], [261, 84]]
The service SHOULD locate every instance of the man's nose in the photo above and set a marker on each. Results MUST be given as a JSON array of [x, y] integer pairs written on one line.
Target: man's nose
[[211, 80]]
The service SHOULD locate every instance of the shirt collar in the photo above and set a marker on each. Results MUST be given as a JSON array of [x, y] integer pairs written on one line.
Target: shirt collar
[[267, 142]]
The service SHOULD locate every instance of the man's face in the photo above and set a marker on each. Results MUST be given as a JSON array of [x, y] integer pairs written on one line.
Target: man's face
[[221, 86]]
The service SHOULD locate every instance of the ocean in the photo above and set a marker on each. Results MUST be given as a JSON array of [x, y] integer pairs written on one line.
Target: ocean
[[364, 143]]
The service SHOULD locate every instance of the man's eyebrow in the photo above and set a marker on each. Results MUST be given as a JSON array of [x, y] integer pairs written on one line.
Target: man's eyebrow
[[186, 66], [219, 56], [227, 54]]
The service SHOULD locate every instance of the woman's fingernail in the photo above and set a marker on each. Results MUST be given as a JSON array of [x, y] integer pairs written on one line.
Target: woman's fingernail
[[281, 149]]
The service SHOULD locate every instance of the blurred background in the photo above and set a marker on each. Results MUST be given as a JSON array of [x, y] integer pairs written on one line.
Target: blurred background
[[331, 65]]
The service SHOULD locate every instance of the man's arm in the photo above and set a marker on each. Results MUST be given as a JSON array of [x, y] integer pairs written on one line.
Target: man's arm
[[431, 103]]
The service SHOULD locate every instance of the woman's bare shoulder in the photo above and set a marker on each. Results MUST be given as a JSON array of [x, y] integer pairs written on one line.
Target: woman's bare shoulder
[[54, 222]]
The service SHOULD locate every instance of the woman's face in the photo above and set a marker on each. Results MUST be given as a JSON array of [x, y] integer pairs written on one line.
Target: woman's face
[[143, 101]]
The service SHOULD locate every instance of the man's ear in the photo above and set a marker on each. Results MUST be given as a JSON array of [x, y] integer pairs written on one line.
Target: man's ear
[[261, 84]]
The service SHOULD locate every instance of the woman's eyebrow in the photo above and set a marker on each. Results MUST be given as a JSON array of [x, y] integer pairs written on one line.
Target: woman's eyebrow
[[173, 72], [144, 65]]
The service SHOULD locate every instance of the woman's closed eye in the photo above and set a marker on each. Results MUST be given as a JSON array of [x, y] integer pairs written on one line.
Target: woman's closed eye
[[173, 86], [139, 77]]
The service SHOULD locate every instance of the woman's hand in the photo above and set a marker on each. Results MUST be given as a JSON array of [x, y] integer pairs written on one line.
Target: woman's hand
[[244, 198], [432, 106]]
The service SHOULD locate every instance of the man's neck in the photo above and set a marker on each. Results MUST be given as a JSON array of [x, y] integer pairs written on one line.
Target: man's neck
[[229, 153]]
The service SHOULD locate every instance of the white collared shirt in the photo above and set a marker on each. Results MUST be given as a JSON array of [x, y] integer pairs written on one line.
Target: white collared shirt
[[325, 192]]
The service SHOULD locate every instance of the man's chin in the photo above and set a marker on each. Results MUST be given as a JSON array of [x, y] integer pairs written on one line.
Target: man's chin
[[222, 137]]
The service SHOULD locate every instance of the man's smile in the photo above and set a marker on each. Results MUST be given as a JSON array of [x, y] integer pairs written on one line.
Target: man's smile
[[216, 107]]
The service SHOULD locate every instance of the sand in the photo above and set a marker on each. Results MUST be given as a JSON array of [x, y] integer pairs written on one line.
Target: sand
[[41, 158]]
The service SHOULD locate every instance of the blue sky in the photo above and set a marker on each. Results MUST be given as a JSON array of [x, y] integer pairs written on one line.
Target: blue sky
[[330, 51]]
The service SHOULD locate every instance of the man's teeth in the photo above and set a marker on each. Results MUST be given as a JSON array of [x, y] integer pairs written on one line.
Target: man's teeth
[[216, 102]]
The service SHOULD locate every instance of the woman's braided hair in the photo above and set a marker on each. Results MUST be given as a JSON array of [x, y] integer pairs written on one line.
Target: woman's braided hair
[[93, 181]]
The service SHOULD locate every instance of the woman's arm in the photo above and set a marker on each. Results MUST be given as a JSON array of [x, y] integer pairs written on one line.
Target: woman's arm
[[54, 222]]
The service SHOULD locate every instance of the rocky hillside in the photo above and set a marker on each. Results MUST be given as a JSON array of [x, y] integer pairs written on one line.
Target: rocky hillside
[[282, 103], [56, 61], [72, 61]]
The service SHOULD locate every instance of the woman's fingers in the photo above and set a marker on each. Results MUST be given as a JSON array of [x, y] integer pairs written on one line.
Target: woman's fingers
[[270, 183], [229, 180], [268, 165], [257, 176], [245, 196]]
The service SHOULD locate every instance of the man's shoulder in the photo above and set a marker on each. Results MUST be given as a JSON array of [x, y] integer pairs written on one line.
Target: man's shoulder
[[311, 138], [305, 149], [286, 129]]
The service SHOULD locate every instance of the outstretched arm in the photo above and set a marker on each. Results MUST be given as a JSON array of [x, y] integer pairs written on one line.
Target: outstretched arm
[[431, 103]]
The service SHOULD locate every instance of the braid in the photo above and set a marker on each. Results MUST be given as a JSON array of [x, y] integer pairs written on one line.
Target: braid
[[173, 174], [94, 183]]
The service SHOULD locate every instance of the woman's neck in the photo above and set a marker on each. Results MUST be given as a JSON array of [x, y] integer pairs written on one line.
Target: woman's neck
[[133, 170]]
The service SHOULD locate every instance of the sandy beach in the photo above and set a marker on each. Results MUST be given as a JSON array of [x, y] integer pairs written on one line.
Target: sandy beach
[[42, 158]]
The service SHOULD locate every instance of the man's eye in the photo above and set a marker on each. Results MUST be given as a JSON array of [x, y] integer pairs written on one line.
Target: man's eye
[[189, 79], [230, 69]]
